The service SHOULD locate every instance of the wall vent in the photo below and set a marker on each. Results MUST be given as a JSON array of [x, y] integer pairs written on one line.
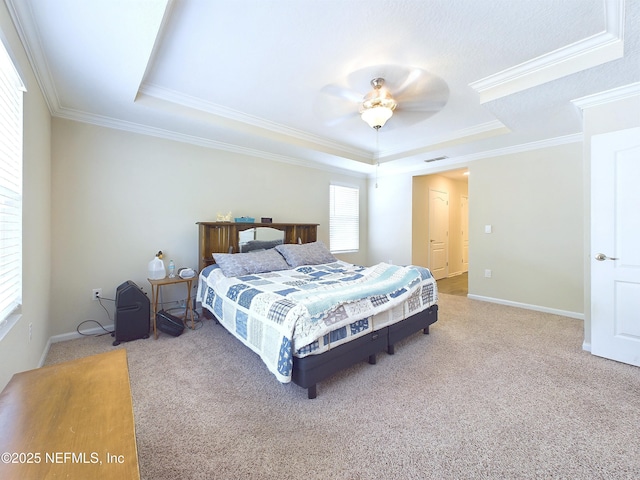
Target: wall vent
[[436, 159]]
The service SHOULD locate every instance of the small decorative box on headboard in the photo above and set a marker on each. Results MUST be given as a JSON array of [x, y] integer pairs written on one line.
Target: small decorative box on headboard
[[266, 220], [245, 220]]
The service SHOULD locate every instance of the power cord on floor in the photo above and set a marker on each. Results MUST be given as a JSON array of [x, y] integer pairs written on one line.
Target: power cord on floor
[[95, 321], [107, 332]]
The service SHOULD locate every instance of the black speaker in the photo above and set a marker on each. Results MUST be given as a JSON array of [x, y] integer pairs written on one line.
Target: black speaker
[[133, 311], [167, 323]]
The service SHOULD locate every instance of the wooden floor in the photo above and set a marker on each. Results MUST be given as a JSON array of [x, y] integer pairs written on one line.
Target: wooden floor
[[457, 285]]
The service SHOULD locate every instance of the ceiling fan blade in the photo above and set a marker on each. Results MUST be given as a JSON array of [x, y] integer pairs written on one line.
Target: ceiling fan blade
[[393, 75], [342, 92], [336, 104], [411, 78], [426, 87], [344, 118], [425, 105]]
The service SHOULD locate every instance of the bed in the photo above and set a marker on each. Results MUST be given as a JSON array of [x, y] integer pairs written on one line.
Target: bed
[[309, 315]]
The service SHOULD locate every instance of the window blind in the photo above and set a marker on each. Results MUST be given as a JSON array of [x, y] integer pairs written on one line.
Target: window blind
[[11, 93], [344, 219]]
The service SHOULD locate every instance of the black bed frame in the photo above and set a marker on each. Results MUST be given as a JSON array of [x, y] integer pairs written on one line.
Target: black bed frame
[[310, 370]]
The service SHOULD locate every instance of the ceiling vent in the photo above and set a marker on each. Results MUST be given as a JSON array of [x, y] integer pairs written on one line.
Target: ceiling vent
[[437, 159]]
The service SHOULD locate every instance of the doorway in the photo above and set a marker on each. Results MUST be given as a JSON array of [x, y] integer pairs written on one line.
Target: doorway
[[454, 253]]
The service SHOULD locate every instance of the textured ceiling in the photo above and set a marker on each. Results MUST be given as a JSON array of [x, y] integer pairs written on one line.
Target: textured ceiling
[[249, 76]]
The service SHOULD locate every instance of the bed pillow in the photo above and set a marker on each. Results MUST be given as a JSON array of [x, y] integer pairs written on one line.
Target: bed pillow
[[262, 261], [230, 264], [253, 245], [314, 253], [237, 264]]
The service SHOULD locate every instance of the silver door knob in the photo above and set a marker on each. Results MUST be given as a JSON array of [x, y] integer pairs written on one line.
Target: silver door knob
[[601, 257]]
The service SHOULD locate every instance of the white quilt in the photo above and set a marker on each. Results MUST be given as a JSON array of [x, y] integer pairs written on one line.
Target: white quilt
[[279, 314]]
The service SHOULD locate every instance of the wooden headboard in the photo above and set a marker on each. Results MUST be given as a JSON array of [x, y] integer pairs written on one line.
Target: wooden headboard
[[222, 237]]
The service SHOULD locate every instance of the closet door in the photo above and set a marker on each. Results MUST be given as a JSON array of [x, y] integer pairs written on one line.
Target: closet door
[[439, 233]]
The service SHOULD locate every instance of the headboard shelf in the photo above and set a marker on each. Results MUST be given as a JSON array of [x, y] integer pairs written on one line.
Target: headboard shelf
[[222, 237]]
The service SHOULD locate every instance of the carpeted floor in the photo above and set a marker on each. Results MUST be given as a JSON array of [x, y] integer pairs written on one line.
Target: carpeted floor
[[493, 392]]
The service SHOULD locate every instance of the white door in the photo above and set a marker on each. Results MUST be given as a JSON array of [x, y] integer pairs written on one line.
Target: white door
[[464, 227], [615, 246], [438, 233]]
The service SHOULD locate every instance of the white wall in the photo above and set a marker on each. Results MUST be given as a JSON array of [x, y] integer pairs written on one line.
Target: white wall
[[17, 353], [119, 197]]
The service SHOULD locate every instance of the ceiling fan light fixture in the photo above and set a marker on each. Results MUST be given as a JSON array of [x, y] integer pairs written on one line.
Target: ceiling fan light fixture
[[378, 105], [376, 117]]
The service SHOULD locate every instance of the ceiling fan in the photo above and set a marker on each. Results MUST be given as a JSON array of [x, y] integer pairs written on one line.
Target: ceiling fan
[[408, 94]]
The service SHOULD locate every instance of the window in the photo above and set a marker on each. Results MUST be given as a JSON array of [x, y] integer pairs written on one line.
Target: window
[[344, 219], [11, 92]]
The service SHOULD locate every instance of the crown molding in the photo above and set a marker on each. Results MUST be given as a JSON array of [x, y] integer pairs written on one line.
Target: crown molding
[[465, 160], [131, 127], [26, 29], [117, 124], [474, 133], [608, 96], [220, 114], [576, 57]]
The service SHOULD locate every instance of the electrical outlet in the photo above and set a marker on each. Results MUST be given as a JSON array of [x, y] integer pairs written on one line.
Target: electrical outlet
[[30, 331], [487, 273], [96, 293]]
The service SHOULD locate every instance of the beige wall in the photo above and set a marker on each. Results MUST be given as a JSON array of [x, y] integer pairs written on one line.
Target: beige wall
[[119, 197], [603, 118], [17, 353], [420, 219], [534, 203]]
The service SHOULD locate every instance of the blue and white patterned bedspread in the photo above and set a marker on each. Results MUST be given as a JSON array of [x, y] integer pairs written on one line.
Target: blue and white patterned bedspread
[[277, 314]]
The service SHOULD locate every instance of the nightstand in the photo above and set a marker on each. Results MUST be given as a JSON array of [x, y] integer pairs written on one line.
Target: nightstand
[[155, 290]]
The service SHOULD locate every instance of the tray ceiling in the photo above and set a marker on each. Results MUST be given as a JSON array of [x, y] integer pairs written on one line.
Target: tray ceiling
[[247, 76]]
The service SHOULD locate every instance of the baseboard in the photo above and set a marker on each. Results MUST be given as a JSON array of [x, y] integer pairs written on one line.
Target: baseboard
[[455, 274], [586, 346], [43, 357], [71, 336], [537, 308]]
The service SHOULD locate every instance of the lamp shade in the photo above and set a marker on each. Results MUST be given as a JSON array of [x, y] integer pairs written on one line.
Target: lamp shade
[[376, 117]]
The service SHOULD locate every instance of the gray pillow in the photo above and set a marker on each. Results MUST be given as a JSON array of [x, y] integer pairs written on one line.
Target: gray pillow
[[259, 245], [314, 253], [237, 264]]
